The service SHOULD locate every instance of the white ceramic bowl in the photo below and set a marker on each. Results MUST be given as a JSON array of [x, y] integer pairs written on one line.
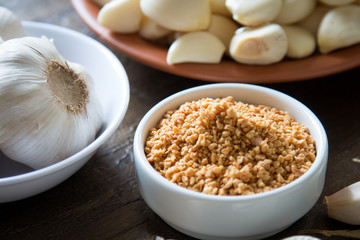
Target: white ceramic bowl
[[112, 88], [231, 217]]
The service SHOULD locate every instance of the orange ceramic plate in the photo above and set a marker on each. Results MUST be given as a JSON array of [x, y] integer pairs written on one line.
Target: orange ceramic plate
[[226, 71]]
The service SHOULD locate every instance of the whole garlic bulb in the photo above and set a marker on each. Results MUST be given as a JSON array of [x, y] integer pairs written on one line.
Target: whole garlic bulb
[[10, 25], [48, 106]]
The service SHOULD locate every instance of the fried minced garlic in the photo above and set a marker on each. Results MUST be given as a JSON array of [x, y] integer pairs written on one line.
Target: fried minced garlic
[[223, 147]]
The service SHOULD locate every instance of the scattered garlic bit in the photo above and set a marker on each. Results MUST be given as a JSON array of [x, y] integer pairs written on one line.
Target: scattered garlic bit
[[313, 21], [336, 2], [184, 15], [201, 47], [151, 30], [339, 28], [254, 12], [49, 110], [100, 3], [10, 25], [122, 16], [301, 42], [219, 7], [356, 159], [344, 205], [293, 11], [223, 28], [301, 237], [261, 45]]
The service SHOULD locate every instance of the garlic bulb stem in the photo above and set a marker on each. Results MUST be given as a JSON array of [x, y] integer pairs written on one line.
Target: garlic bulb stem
[[67, 86]]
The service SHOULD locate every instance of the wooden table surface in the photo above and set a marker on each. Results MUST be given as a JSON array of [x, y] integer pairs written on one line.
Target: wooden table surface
[[102, 201]]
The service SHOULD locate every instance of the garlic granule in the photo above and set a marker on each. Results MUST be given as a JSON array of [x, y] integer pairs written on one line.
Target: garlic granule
[[49, 110]]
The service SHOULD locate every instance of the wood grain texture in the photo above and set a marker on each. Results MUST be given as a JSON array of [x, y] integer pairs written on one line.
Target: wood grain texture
[[102, 201]]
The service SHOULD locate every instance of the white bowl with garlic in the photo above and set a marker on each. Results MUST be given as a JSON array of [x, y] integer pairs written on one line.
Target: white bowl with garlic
[[62, 96], [193, 151]]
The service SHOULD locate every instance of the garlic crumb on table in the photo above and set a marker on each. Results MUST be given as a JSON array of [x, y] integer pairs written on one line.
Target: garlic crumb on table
[[224, 147]]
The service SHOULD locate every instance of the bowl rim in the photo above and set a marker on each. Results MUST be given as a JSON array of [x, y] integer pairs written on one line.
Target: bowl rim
[[103, 136], [140, 159]]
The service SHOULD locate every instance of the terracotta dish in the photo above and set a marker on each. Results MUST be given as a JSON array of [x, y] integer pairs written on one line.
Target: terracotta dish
[[227, 71]]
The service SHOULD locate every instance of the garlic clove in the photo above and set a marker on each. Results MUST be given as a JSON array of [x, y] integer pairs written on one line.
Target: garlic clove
[[184, 15], [339, 28], [301, 42], [223, 28], [121, 16], [49, 108], [344, 205], [255, 12], [10, 25], [219, 7], [313, 20], [293, 11], [151, 30], [261, 45], [336, 2], [202, 47]]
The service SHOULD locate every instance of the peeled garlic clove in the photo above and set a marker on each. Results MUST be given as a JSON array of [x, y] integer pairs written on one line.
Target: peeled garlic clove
[[184, 15], [344, 205], [10, 25], [121, 16], [219, 7], [339, 28], [151, 30], [49, 108], [312, 21], [223, 28], [293, 11], [202, 47], [301, 42], [254, 12], [260, 45], [336, 2]]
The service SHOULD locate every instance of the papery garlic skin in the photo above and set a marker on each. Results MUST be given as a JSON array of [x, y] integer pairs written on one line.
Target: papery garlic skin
[[344, 205], [37, 127], [10, 25]]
